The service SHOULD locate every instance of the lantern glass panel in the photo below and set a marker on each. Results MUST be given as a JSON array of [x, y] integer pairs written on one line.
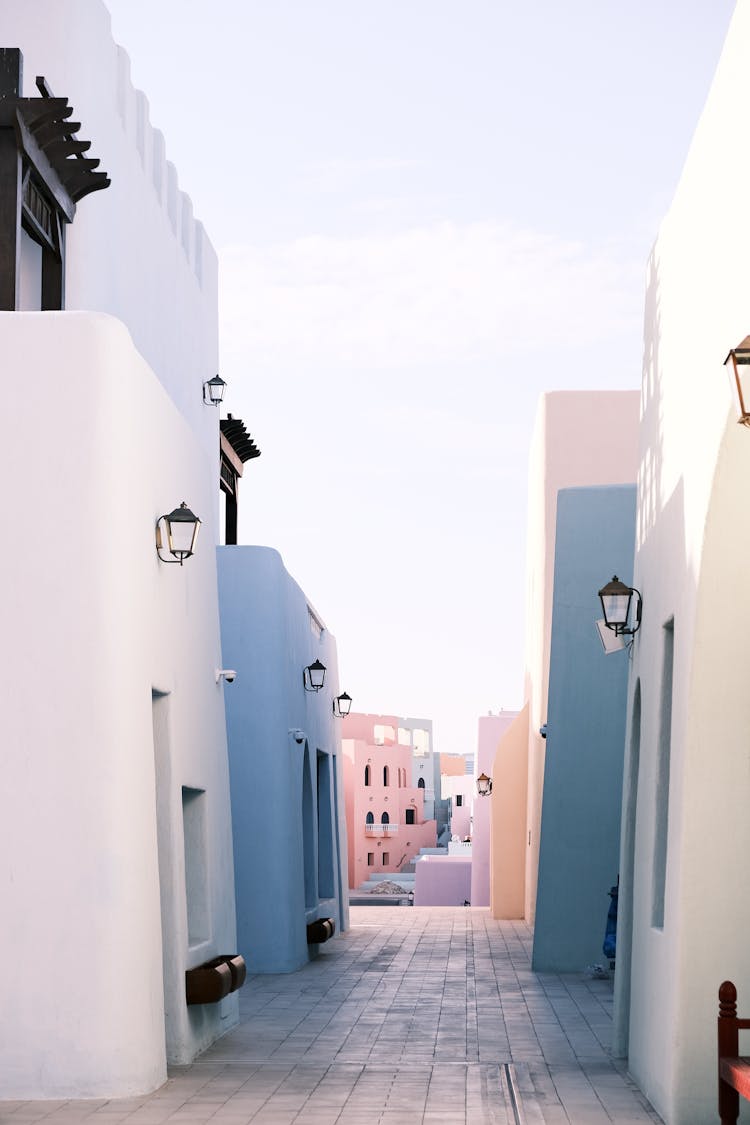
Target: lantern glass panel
[[317, 674], [616, 608], [182, 536], [216, 390]]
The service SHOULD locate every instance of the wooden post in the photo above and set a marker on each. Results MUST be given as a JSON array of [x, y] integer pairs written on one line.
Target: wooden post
[[729, 1099], [11, 184], [53, 272]]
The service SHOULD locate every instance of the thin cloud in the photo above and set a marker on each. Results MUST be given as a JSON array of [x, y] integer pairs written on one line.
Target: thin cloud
[[441, 294], [342, 172]]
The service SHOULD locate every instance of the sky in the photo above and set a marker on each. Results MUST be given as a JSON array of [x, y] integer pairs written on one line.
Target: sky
[[427, 213]]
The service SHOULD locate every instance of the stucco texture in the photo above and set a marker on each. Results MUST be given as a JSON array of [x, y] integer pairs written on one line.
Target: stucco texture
[[687, 781], [586, 713]]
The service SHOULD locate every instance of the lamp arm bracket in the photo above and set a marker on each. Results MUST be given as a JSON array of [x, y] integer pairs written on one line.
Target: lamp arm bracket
[[160, 546]]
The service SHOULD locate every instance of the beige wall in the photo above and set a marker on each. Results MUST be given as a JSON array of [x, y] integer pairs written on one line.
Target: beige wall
[[580, 438], [508, 820]]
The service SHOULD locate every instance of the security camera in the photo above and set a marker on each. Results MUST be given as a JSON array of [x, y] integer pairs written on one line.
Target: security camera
[[227, 674], [298, 735]]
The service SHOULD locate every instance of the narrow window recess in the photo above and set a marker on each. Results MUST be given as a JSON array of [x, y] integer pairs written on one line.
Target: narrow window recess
[[661, 807]]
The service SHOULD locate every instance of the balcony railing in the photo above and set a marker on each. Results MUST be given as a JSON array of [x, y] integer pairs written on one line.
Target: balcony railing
[[381, 829]]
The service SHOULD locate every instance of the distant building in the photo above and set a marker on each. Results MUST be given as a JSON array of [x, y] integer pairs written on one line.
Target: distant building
[[452, 765], [386, 787], [460, 791]]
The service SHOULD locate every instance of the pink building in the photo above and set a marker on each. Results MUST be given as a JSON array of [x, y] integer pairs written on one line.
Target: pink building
[[461, 792], [384, 811], [442, 880], [491, 729]]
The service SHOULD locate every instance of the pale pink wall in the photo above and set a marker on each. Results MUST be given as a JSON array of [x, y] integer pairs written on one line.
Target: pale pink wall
[[452, 765], [463, 786], [508, 820], [403, 840], [360, 725], [491, 729], [580, 438], [442, 880]]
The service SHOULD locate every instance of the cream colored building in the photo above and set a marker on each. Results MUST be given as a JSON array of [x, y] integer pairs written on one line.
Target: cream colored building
[[684, 906], [580, 438]]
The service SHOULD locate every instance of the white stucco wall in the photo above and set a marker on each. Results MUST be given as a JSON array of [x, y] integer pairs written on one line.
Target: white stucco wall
[[135, 250], [692, 548], [580, 438], [90, 455]]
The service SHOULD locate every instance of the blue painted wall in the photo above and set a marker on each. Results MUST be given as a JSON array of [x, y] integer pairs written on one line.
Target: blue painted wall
[[284, 760], [580, 835]]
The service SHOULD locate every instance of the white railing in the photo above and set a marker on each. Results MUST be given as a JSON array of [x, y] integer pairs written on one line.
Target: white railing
[[381, 829]]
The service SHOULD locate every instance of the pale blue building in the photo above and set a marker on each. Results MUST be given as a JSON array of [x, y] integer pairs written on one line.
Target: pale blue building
[[286, 779], [586, 712]]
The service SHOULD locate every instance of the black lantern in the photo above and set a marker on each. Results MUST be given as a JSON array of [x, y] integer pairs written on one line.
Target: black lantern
[[314, 675], [484, 785], [181, 527], [342, 705], [213, 391], [616, 598], [739, 376]]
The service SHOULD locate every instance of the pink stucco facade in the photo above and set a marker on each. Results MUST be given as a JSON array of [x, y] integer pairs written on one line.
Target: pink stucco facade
[[442, 880], [385, 820], [491, 729]]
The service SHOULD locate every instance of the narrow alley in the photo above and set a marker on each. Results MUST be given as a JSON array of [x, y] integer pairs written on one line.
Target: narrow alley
[[413, 1016]]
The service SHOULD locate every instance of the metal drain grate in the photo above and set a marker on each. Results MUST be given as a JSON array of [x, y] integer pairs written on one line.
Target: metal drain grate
[[513, 1097]]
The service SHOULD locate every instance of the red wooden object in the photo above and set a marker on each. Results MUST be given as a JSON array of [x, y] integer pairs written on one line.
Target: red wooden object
[[734, 1070]]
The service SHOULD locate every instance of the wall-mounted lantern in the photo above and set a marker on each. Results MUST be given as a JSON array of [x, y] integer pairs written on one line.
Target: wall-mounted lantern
[[342, 705], [213, 391], [484, 785], [616, 598], [181, 527], [739, 374], [314, 676]]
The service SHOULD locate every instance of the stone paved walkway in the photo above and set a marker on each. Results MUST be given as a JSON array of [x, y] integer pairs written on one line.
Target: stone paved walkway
[[415, 1015]]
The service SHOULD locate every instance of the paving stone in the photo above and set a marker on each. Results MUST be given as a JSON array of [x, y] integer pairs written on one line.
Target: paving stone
[[426, 1016]]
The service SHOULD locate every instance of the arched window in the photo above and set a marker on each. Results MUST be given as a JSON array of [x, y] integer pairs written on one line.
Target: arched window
[[385, 819], [420, 783], [369, 819], [386, 776], [368, 778]]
